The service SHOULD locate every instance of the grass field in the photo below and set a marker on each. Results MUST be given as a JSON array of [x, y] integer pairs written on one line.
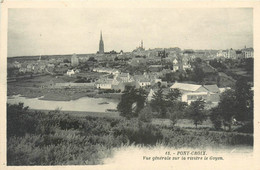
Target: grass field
[[182, 123]]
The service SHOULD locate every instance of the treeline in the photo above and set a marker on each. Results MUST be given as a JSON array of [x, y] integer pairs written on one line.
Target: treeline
[[235, 107], [133, 104]]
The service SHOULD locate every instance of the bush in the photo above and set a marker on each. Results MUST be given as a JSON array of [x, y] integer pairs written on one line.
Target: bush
[[145, 114], [61, 139], [174, 115], [19, 120], [247, 128], [138, 132], [182, 138]]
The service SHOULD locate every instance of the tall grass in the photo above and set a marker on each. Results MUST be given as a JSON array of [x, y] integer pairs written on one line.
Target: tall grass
[[36, 138]]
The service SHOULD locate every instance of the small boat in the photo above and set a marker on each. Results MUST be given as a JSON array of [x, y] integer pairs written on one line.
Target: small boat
[[103, 103], [111, 110]]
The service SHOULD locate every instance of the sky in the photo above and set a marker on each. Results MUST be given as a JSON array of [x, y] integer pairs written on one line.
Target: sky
[[52, 31]]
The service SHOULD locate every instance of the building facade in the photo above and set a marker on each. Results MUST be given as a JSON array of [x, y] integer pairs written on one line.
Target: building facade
[[192, 92], [248, 52]]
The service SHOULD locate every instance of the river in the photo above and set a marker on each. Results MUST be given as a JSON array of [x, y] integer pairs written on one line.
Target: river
[[83, 104]]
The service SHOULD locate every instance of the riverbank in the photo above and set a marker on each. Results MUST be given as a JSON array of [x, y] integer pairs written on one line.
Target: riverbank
[[81, 113], [39, 86], [58, 94], [88, 104]]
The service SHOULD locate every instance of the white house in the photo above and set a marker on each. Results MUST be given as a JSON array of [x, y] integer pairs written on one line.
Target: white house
[[175, 61], [123, 77], [186, 66], [143, 82], [248, 52], [222, 53], [106, 83], [70, 72], [224, 89], [190, 97], [17, 64], [192, 92], [182, 64], [175, 66], [186, 88]]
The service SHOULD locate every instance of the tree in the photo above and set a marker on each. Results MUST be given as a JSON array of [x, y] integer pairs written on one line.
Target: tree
[[196, 111], [215, 117], [132, 102], [174, 116], [125, 104], [145, 114], [197, 61], [170, 77], [12, 71], [66, 61], [19, 120], [244, 99], [116, 59], [92, 59], [140, 97], [250, 106], [158, 102], [175, 108], [236, 103], [173, 95], [198, 75], [217, 64], [226, 107]]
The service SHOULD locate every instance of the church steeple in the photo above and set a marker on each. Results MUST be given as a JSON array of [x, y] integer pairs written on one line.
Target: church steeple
[[101, 44]]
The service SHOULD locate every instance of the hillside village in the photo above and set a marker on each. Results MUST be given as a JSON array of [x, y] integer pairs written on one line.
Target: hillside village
[[198, 74]]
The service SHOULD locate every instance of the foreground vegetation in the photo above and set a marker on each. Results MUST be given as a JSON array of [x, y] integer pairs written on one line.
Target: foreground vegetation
[[54, 138]]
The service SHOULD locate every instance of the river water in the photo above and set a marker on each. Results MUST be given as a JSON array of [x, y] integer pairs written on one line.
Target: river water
[[82, 104]]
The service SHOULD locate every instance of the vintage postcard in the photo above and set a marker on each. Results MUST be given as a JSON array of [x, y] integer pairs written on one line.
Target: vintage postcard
[[129, 85]]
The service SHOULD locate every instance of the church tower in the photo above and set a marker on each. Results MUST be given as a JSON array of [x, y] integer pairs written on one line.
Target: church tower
[[101, 44]]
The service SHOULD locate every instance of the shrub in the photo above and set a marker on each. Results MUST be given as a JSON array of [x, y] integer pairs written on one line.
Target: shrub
[[174, 116], [247, 128], [20, 120], [138, 132], [58, 139], [145, 114]]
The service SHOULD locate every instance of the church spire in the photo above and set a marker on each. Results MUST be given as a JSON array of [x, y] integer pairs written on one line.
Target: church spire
[[101, 44]]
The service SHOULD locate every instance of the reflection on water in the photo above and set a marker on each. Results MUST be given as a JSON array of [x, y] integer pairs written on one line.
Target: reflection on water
[[82, 104]]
